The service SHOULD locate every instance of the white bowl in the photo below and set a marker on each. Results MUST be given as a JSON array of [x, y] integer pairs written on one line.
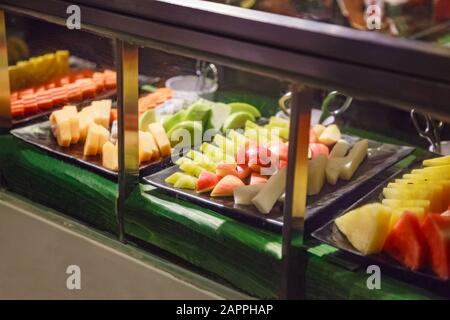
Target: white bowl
[[191, 84]]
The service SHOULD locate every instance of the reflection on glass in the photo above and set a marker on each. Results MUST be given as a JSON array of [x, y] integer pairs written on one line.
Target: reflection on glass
[[427, 20]]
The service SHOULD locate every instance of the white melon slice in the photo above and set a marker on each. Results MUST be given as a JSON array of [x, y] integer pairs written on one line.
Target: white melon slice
[[244, 195], [316, 174], [333, 169], [272, 190], [340, 149], [354, 159]]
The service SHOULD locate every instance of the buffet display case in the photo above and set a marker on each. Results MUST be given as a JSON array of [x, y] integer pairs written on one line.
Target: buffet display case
[[240, 137]]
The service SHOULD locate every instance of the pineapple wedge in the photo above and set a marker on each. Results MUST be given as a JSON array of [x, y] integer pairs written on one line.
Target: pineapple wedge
[[366, 228], [394, 203], [398, 212], [441, 161]]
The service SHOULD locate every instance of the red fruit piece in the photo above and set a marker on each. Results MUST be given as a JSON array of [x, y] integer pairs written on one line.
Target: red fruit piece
[[258, 155], [256, 178], [406, 243], [318, 148], [436, 229], [226, 186], [206, 181], [282, 164], [243, 171], [278, 150]]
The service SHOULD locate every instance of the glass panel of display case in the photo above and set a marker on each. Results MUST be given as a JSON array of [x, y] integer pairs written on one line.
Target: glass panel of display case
[[425, 20], [64, 102]]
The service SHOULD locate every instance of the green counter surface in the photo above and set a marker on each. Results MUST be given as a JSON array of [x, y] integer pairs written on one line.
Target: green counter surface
[[240, 255]]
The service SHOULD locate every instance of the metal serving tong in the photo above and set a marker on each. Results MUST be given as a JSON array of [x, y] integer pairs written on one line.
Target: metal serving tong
[[432, 131], [283, 103], [203, 69]]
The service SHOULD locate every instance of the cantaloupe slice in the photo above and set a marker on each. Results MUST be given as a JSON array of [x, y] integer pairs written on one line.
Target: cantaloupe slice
[[92, 141], [74, 123], [366, 228], [145, 146], [157, 130], [110, 156], [60, 121]]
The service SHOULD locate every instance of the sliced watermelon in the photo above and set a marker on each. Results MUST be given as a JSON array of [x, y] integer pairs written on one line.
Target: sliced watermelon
[[406, 243], [436, 229]]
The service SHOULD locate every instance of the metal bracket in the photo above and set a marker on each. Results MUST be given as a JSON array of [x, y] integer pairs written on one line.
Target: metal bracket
[[127, 64]]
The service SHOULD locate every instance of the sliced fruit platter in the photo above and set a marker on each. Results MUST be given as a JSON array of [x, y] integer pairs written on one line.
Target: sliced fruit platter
[[408, 227], [241, 170], [45, 83], [87, 137]]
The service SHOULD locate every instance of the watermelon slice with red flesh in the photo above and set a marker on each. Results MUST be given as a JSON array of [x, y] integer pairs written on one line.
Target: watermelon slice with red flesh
[[406, 243], [206, 181], [436, 229]]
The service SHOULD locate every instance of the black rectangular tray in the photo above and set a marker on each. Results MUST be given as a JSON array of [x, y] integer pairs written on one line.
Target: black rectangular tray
[[330, 234], [40, 135], [381, 156]]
